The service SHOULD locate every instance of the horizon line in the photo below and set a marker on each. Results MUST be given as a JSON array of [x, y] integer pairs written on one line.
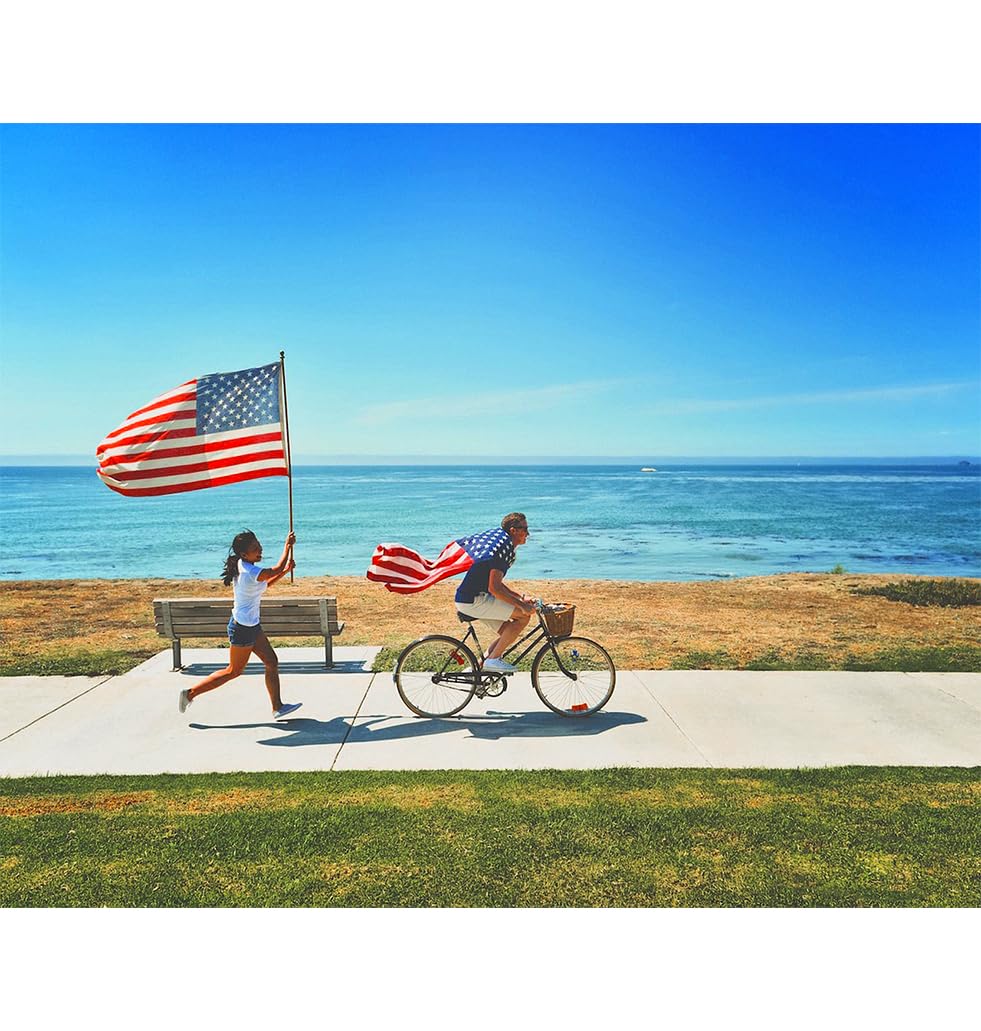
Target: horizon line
[[15, 460]]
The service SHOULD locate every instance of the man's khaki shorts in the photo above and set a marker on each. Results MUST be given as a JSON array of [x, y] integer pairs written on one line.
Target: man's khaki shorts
[[488, 609]]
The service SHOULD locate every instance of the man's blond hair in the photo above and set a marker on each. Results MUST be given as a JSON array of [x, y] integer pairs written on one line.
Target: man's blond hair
[[512, 519]]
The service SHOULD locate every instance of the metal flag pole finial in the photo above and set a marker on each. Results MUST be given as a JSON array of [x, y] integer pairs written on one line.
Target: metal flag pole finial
[[286, 433]]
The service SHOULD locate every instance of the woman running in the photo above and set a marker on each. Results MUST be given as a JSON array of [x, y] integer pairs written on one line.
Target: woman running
[[245, 634]]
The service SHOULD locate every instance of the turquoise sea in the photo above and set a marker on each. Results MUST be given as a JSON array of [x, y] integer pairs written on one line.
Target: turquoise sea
[[602, 522]]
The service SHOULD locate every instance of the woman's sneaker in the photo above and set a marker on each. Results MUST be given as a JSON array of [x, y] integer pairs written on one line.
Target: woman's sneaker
[[285, 710], [185, 699]]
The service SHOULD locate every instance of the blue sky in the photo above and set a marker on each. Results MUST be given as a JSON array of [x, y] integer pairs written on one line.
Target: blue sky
[[674, 290]]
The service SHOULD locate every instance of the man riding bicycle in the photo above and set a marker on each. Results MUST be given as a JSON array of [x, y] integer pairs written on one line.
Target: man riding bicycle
[[483, 594], [437, 675]]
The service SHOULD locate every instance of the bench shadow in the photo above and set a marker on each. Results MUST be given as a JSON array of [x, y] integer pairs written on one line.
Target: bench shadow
[[203, 669], [491, 727]]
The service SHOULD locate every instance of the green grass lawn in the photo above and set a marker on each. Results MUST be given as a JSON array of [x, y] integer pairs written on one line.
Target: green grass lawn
[[83, 663], [954, 658], [963, 658], [856, 836]]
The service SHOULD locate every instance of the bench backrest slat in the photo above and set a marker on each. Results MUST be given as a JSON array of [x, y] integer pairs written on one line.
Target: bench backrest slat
[[189, 617]]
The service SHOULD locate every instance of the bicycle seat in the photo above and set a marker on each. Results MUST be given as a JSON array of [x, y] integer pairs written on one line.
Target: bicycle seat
[[464, 618]]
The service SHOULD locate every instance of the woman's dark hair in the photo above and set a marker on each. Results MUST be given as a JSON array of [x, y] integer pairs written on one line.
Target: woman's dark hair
[[240, 544]]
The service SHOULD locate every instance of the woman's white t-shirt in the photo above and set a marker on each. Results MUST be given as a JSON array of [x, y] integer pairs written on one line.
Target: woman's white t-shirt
[[248, 593]]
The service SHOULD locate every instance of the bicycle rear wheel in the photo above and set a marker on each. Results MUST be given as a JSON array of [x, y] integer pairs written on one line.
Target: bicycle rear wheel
[[577, 683], [435, 676]]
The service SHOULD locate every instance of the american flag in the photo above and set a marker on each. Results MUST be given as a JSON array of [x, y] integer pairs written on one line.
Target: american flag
[[405, 571], [209, 431]]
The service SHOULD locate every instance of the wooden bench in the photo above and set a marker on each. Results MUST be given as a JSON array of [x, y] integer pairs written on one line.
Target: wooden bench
[[281, 617]]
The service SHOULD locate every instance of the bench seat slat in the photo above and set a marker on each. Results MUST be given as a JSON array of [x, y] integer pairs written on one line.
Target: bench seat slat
[[313, 618], [187, 628]]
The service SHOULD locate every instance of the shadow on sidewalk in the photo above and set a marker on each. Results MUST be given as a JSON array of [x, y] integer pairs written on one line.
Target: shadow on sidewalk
[[299, 732], [492, 727]]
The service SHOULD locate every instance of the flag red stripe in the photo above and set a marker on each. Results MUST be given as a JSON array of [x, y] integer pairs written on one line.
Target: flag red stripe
[[448, 554], [395, 561], [413, 574], [163, 402], [146, 438], [377, 572], [178, 488], [194, 449], [154, 420], [394, 567], [398, 549]]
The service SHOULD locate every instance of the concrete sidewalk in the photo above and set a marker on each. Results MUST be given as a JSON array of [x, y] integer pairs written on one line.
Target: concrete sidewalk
[[353, 719]]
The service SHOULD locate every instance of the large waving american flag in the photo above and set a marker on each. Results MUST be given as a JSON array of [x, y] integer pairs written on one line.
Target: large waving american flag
[[405, 571], [216, 429]]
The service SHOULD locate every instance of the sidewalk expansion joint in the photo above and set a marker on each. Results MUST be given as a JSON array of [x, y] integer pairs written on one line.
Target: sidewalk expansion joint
[[56, 708], [956, 698], [677, 725], [354, 719]]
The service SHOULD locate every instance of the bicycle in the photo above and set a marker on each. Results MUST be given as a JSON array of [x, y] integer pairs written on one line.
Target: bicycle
[[437, 675]]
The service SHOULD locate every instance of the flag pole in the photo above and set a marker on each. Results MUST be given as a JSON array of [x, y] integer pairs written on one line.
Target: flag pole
[[286, 425]]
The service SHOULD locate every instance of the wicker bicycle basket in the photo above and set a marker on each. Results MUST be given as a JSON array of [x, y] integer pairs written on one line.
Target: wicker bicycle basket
[[559, 620]]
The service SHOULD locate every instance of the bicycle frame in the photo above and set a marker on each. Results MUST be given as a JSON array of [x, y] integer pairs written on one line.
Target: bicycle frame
[[534, 637]]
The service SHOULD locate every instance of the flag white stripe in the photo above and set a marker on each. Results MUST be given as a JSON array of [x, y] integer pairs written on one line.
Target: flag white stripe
[[163, 415], [405, 568], [131, 438], [199, 477], [410, 566], [391, 577], [182, 389], [120, 466], [202, 438]]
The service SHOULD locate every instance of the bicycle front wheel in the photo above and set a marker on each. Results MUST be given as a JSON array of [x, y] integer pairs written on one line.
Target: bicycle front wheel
[[576, 678], [435, 676]]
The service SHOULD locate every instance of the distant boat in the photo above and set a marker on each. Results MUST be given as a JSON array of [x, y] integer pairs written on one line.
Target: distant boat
[[648, 469]]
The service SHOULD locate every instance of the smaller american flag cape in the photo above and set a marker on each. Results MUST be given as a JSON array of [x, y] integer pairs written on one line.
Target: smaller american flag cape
[[207, 432], [405, 571]]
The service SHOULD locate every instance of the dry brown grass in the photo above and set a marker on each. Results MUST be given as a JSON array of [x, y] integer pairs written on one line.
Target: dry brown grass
[[99, 802], [644, 625]]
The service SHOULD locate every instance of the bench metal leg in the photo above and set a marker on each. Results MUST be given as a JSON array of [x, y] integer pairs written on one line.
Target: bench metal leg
[[328, 651], [176, 648]]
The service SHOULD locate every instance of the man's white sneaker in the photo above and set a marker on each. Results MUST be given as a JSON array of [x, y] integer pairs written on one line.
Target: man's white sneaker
[[285, 710], [185, 700], [499, 666]]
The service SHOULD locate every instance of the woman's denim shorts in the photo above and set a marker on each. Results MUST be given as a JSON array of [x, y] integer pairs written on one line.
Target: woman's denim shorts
[[242, 636]]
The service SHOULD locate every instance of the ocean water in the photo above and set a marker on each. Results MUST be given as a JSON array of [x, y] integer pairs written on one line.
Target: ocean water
[[599, 522]]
